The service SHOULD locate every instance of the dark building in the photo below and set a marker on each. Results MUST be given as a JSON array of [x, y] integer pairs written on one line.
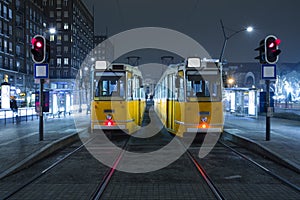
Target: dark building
[[73, 39], [72, 42], [103, 48], [20, 20]]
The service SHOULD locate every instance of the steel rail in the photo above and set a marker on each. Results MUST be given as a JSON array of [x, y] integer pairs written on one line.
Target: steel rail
[[283, 180], [105, 181], [43, 172], [207, 179]]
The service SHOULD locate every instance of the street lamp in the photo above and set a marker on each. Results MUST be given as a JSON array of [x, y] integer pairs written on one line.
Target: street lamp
[[52, 30], [230, 81], [226, 38]]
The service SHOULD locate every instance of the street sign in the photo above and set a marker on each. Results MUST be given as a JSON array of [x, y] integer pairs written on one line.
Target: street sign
[[268, 71], [41, 71]]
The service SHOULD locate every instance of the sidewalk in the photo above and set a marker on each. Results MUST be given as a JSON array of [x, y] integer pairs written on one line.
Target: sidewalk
[[20, 145], [284, 144]]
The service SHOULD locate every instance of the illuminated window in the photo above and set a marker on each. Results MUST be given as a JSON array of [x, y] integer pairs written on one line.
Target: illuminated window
[[58, 38], [66, 61], [66, 26], [10, 14], [58, 61], [52, 38]]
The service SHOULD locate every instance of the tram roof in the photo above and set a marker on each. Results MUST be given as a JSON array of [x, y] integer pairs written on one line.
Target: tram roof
[[118, 67]]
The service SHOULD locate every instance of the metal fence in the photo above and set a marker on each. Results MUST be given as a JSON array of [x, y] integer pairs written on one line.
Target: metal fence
[[23, 114]]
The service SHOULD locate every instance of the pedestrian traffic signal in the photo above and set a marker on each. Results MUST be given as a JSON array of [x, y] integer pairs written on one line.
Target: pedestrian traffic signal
[[261, 49], [38, 49], [271, 48]]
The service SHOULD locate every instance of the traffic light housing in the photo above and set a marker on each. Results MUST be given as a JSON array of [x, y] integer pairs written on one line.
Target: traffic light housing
[[39, 49], [261, 49], [272, 49], [268, 50]]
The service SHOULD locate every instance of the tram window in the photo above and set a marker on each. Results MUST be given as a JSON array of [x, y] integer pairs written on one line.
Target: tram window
[[181, 90], [197, 87], [129, 89], [110, 86]]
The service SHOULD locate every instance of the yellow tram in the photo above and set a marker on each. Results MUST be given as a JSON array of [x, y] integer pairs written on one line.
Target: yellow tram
[[118, 97], [188, 97]]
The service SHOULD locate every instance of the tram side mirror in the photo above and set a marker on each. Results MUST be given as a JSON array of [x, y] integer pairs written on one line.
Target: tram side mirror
[[177, 82]]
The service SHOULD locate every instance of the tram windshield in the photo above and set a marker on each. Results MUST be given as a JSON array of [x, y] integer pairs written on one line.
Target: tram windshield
[[110, 85], [206, 88]]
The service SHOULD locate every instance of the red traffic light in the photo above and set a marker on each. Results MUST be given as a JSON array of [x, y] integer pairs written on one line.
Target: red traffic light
[[38, 49], [274, 44], [271, 49], [37, 42], [271, 45]]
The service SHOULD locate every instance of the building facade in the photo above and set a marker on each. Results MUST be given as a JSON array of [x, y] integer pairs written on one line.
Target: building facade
[[20, 20], [70, 44]]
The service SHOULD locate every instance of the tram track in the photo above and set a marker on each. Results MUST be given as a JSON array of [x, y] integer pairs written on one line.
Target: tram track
[[108, 184], [45, 171], [247, 173], [56, 171], [108, 175], [264, 168], [207, 179]]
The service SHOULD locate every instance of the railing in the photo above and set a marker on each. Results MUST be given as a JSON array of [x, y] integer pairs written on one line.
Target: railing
[[23, 114], [28, 113]]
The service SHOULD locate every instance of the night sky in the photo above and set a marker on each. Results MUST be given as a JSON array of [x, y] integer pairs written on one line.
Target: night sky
[[200, 20]]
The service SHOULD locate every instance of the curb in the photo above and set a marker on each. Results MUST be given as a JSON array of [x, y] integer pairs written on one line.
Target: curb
[[258, 148], [42, 153]]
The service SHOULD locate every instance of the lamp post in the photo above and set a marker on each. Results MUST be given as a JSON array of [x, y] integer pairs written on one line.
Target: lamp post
[[226, 38]]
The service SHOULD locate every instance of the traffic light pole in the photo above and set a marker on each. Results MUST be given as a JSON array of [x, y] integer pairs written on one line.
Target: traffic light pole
[[268, 56], [41, 101], [268, 113]]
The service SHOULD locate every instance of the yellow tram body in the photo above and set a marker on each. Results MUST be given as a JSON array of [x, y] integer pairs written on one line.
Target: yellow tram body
[[118, 100], [189, 99]]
